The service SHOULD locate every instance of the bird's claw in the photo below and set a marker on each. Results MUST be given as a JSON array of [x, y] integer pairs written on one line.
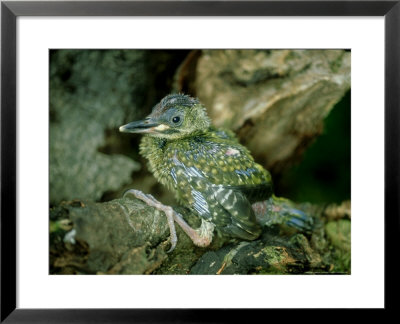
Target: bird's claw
[[173, 244]]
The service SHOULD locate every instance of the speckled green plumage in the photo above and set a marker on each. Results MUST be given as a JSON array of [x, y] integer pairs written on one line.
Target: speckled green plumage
[[206, 152], [213, 175]]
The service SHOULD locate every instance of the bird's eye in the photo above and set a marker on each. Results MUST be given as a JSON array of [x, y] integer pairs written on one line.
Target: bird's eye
[[176, 119]]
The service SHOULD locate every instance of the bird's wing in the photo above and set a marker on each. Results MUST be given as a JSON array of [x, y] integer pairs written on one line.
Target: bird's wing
[[228, 207], [255, 192], [235, 215], [222, 162], [219, 180]]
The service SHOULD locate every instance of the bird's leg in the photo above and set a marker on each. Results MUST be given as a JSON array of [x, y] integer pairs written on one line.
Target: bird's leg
[[201, 237], [151, 201]]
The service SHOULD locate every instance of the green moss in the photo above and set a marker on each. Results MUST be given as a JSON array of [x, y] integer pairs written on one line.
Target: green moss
[[336, 64], [339, 234]]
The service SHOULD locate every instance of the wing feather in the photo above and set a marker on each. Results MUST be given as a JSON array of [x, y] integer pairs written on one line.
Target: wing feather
[[220, 181]]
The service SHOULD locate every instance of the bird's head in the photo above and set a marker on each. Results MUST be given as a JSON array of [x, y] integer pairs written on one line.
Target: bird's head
[[175, 116]]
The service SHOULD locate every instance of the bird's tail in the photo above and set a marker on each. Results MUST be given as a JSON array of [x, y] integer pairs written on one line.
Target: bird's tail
[[282, 211]]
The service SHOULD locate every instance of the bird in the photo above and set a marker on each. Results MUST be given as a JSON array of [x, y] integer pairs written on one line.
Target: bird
[[210, 173]]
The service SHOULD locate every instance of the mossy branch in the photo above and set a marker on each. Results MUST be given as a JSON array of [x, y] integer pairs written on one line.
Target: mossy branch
[[125, 236]]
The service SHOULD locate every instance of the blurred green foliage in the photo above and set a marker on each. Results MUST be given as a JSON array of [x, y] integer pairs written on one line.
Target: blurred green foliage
[[323, 175]]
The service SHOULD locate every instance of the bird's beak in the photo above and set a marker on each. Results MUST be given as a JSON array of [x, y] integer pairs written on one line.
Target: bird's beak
[[143, 126]]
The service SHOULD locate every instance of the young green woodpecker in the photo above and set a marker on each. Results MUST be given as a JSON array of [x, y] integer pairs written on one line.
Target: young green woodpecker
[[209, 172]]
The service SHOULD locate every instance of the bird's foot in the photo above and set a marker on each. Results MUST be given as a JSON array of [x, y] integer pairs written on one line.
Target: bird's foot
[[201, 237]]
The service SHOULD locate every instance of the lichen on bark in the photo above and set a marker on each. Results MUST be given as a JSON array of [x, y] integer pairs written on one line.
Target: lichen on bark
[[125, 236]]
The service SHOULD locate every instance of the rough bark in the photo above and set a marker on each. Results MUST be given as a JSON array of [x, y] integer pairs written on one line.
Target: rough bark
[[125, 236], [92, 93], [275, 100]]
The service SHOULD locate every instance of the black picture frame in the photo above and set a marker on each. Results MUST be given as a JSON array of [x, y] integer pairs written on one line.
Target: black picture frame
[[10, 10]]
